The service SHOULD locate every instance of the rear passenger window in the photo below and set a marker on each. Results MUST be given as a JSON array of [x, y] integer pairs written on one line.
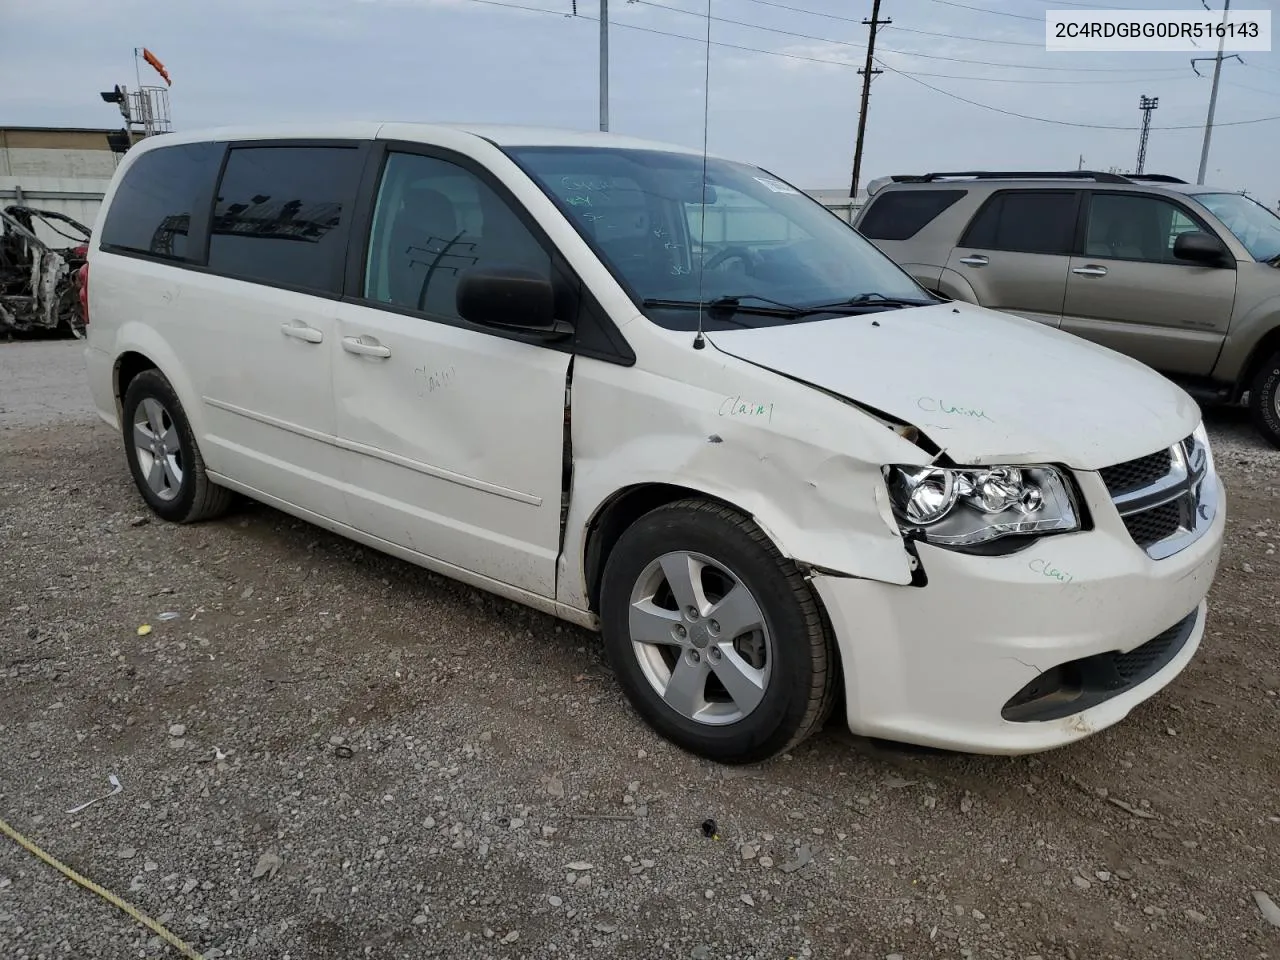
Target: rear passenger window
[[281, 215], [900, 215], [1039, 222], [152, 208]]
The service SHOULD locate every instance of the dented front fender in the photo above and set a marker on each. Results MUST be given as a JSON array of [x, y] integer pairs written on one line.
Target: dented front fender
[[804, 465]]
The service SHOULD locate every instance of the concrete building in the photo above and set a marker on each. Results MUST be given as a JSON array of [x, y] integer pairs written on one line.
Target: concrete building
[[69, 152], [65, 169]]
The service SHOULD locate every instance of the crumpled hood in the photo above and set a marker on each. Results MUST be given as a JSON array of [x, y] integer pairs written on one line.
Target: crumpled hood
[[987, 387]]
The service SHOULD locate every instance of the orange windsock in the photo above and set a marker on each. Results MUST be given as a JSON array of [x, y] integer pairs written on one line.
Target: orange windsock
[[150, 57]]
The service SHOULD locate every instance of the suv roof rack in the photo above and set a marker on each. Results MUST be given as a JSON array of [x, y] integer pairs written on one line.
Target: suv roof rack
[[1015, 175], [1095, 175]]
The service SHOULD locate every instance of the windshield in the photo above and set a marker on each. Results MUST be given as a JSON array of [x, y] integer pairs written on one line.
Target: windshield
[[760, 240], [1253, 224]]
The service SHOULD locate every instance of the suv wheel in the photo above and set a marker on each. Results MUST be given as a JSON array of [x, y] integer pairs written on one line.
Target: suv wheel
[[1264, 400], [715, 637], [162, 453]]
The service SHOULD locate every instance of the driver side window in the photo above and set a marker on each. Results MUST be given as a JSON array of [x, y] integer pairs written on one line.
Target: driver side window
[[434, 219]]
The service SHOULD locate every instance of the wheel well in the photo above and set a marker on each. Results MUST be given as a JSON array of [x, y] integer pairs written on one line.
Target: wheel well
[[1267, 346], [128, 366], [629, 505], [619, 512]]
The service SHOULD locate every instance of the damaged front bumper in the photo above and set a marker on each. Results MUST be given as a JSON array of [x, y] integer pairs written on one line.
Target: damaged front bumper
[[1016, 654]]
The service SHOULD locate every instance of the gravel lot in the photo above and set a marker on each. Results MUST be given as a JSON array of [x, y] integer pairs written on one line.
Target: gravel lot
[[330, 754]]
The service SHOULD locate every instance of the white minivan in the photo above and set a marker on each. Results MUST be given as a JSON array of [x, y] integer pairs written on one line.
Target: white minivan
[[664, 396]]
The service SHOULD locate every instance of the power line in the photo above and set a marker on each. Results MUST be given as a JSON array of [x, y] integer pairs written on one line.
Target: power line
[[1061, 123], [927, 33], [1136, 78], [813, 13], [905, 53], [661, 33], [808, 36], [1000, 13], [1245, 86]]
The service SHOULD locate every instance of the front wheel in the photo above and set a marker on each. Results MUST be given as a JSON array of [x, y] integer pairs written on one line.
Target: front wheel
[[1264, 400], [715, 637]]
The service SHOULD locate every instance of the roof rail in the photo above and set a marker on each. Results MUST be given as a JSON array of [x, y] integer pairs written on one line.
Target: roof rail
[[1155, 177], [1015, 175]]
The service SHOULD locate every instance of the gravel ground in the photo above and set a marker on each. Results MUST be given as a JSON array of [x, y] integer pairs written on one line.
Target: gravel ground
[[329, 754]]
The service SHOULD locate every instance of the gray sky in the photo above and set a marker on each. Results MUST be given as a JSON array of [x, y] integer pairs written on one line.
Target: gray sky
[[263, 60]]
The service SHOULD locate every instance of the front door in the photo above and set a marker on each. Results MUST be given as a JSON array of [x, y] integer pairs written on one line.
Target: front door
[[1014, 253], [453, 434], [1130, 293]]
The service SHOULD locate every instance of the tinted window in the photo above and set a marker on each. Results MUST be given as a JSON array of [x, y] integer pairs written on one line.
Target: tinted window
[[1124, 227], [153, 205], [433, 220], [280, 215], [1039, 222], [900, 215]]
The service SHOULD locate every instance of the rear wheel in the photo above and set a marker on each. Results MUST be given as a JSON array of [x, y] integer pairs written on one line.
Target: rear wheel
[[1264, 400], [162, 453], [715, 637]]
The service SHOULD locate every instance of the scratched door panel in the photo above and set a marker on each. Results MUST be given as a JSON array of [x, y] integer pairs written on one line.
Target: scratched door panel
[[453, 443]]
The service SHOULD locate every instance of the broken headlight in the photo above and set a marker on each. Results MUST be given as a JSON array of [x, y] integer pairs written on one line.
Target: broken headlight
[[964, 507]]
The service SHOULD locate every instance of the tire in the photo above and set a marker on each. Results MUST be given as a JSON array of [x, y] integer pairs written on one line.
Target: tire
[[184, 494], [783, 671], [1264, 400]]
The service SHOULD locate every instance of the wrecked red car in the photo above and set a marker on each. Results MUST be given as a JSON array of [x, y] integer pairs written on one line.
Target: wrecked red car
[[39, 284]]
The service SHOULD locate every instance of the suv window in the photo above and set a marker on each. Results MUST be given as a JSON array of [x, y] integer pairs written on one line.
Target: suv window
[[434, 219], [1040, 221], [153, 204], [901, 214], [1128, 227], [279, 215]]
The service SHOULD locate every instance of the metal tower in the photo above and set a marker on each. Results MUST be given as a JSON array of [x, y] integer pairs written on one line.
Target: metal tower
[[1146, 105]]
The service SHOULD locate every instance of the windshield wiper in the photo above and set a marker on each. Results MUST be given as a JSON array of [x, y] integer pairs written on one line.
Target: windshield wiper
[[724, 307], [872, 300], [730, 305]]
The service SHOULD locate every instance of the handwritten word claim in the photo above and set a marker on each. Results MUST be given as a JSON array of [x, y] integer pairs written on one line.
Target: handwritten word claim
[[1046, 569], [435, 379], [737, 407], [931, 405]]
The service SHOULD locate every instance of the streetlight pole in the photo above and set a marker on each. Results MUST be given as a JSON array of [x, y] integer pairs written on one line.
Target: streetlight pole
[[604, 65]]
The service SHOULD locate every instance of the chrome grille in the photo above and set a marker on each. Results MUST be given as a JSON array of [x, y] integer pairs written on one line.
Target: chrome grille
[[1163, 498], [1125, 477]]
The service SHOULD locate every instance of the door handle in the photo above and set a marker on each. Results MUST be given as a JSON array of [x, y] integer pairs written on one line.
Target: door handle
[[362, 348], [974, 260], [300, 331], [1090, 271]]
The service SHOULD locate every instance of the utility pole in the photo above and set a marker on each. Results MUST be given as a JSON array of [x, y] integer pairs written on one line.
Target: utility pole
[[604, 65], [867, 72], [1213, 93], [1146, 105]]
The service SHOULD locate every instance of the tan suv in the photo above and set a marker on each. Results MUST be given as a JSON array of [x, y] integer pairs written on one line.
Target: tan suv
[[1183, 278]]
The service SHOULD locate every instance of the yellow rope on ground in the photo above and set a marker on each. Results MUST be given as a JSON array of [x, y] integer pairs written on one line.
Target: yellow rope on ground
[[107, 895]]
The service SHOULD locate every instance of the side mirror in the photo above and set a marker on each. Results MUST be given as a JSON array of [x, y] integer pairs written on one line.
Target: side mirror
[[513, 298], [1200, 247]]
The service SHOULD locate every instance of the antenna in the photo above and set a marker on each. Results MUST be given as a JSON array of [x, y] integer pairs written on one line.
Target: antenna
[[698, 341]]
